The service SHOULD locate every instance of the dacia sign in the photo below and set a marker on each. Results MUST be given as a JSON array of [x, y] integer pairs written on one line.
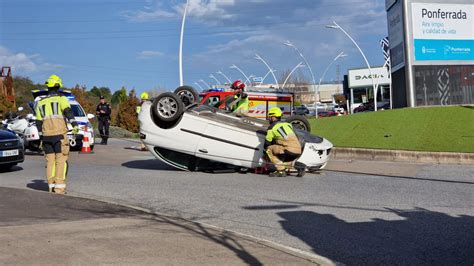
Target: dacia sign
[[363, 78]]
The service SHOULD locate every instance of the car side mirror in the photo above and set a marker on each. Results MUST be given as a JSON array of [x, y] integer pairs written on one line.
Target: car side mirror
[[90, 116]]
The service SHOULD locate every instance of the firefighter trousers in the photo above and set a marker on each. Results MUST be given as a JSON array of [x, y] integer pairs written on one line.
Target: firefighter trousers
[[56, 154], [281, 157]]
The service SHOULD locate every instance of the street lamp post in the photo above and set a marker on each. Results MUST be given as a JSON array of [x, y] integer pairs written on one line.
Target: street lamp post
[[250, 79], [291, 72], [181, 82], [202, 89], [240, 70], [342, 54], [214, 78], [269, 68], [336, 26], [225, 76], [205, 83], [266, 75], [289, 44]]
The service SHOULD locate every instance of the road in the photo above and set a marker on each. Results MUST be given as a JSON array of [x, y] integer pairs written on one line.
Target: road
[[412, 214]]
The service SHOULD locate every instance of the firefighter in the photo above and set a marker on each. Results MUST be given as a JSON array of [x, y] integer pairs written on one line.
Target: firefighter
[[281, 143], [143, 97], [103, 112], [51, 114], [240, 104]]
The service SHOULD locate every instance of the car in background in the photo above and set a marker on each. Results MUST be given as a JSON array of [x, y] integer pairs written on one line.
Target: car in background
[[327, 113], [11, 150], [339, 108], [301, 110], [370, 107]]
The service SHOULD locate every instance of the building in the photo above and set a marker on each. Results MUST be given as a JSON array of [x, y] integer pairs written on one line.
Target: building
[[358, 86], [432, 52]]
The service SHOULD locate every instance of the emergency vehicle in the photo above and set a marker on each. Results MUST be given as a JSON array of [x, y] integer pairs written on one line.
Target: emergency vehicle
[[259, 102]]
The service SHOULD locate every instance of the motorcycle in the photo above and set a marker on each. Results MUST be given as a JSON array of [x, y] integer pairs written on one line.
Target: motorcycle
[[25, 128]]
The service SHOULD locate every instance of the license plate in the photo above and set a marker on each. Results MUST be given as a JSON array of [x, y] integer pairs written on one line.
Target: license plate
[[9, 153]]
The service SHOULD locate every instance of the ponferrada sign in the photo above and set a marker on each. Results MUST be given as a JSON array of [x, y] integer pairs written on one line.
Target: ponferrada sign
[[425, 13]]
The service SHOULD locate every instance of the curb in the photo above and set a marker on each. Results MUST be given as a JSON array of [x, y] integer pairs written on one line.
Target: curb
[[402, 156], [320, 260]]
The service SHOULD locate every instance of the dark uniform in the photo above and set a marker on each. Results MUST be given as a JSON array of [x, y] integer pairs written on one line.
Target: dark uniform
[[103, 112]]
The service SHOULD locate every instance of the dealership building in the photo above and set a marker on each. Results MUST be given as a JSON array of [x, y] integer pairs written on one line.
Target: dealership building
[[432, 52], [359, 86]]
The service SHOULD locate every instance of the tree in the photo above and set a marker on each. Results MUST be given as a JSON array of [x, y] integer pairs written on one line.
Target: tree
[[127, 116], [86, 100], [119, 96], [102, 91], [23, 87]]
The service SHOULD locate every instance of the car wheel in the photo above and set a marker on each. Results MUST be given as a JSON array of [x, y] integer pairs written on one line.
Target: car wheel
[[167, 108], [299, 122], [187, 94]]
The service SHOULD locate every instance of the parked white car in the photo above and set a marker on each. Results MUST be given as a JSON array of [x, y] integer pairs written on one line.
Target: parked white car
[[201, 138]]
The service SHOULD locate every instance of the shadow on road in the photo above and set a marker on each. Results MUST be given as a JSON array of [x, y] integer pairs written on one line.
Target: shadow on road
[[224, 239], [38, 184], [15, 168], [422, 237], [151, 164]]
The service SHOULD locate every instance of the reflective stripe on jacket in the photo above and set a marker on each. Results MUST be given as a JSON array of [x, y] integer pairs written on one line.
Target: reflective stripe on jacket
[[282, 133], [50, 111]]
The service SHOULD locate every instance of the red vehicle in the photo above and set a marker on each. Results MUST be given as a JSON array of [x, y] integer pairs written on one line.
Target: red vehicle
[[259, 103]]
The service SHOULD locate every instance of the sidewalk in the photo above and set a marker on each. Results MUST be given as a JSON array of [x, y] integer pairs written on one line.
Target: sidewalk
[[43, 228]]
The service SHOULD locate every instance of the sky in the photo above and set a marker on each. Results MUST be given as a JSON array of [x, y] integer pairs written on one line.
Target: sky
[[135, 43]]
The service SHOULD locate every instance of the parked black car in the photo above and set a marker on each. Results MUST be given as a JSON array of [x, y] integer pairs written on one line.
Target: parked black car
[[11, 150], [370, 107], [301, 110]]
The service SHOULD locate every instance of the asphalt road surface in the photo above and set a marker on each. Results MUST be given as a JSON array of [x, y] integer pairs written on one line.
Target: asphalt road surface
[[412, 214]]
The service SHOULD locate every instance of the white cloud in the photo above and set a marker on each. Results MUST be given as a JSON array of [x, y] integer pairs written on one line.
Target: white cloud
[[24, 63], [18, 61], [148, 54]]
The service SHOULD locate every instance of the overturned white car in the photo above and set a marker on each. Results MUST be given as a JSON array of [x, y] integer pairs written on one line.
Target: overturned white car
[[203, 138]]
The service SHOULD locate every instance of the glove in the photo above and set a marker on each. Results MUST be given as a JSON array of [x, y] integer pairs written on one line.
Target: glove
[[75, 130]]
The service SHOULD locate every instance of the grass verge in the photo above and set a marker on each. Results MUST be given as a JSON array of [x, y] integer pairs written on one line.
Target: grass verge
[[435, 129]]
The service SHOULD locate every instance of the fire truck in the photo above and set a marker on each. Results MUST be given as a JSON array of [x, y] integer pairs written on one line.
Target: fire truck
[[259, 102]]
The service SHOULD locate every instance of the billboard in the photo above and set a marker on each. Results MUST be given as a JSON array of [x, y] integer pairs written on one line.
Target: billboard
[[361, 77], [443, 32], [396, 37]]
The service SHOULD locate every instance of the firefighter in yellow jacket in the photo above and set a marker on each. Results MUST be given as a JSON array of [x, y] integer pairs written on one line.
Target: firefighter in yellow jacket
[[51, 114], [281, 143]]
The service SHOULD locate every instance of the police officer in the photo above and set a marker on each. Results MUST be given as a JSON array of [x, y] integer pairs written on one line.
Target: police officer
[[240, 104], [103, 112], [51, 114], [281, 143]]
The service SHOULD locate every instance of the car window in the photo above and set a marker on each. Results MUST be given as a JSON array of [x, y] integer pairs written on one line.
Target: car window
[[77, 110]]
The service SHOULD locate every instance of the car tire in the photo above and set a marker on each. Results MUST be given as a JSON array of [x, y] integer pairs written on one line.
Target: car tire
[[167, 108], [187, 94], [299, 122]]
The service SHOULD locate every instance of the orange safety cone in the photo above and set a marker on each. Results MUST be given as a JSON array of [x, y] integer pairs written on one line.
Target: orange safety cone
[[86, 147]]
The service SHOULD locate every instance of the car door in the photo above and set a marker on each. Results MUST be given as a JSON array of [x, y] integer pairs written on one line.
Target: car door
[[230, 145]]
